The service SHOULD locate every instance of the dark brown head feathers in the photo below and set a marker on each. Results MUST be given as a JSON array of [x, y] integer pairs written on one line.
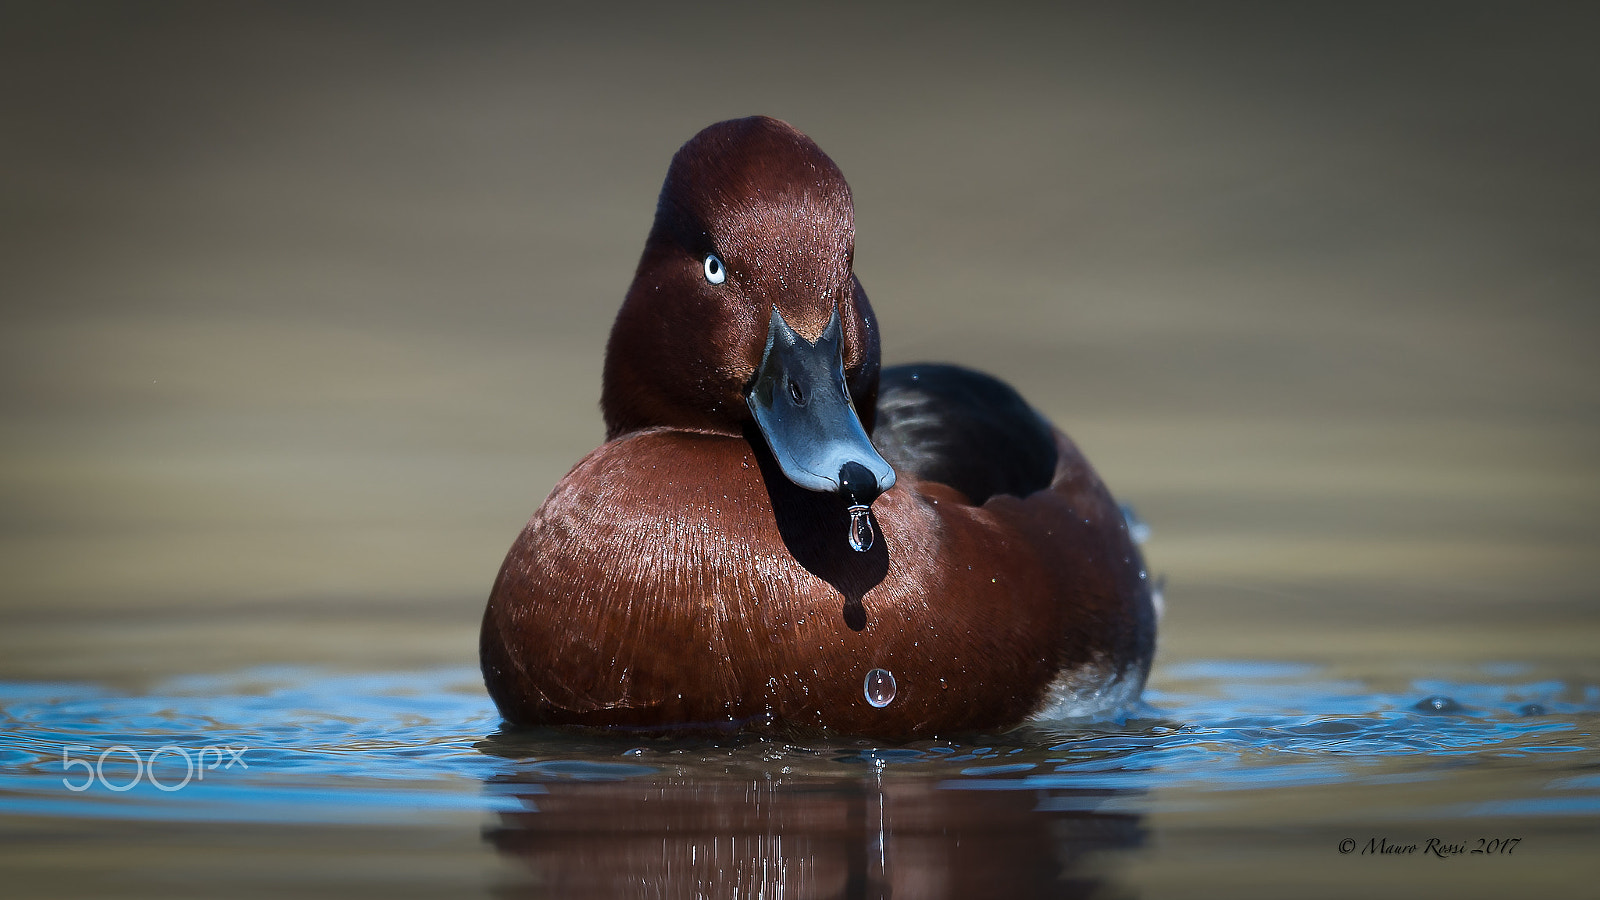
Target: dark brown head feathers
[[776, 213]]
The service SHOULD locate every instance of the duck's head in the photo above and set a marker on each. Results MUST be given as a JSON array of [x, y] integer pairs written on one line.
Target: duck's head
[[745, 311]]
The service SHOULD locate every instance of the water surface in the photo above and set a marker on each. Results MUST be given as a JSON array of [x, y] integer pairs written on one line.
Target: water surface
[[1257, 773]]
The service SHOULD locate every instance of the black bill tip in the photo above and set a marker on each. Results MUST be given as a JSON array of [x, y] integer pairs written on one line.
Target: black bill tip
[[858, 484]]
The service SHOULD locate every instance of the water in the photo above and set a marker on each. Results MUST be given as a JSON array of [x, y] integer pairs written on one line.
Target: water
[[861, 528], [879, 687], [1273, 766], [1138, 529]]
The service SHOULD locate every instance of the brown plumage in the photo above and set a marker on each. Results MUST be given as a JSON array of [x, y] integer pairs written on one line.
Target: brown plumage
[[677, 578]]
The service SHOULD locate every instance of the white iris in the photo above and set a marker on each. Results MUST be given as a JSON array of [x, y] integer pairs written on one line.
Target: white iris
[[716, 272]]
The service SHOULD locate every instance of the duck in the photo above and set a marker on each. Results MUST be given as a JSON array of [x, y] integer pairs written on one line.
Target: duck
[[781, 535]]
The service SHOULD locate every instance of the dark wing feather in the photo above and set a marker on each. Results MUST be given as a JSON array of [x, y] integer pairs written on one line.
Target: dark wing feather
[[962, 428]]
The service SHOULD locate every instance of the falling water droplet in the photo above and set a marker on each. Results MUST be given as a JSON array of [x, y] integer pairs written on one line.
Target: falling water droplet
[[861, 532], [879, 687]]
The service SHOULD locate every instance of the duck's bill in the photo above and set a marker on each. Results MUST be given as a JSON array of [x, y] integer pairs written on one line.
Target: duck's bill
[[803, 408]]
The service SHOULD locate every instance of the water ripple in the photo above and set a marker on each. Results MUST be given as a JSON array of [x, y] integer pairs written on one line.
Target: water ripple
[[321, 746]]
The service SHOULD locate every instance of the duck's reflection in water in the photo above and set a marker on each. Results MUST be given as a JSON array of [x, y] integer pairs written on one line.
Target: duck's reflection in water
[[905, 836]]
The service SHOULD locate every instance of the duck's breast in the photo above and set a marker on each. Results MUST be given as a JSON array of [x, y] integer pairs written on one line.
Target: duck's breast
[[676, 578]]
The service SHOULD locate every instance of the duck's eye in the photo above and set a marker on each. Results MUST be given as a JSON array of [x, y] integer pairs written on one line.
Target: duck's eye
[[716, 272], [796, 394]]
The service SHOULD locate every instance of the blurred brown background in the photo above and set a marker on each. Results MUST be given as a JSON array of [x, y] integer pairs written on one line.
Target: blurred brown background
[[304, 305]]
